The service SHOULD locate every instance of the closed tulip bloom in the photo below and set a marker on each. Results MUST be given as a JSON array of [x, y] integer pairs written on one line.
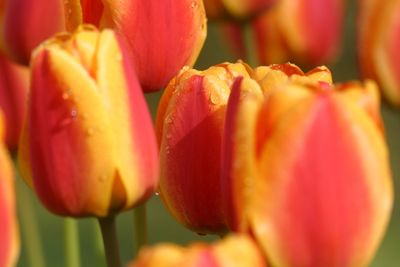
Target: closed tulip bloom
[[233, 251], [321, 193], [189, 129], [311, 36], [162, 36], [378, 41], [240, 133], [88, 145], [26, 23], [9, 241], [13, 92], [236, 9]]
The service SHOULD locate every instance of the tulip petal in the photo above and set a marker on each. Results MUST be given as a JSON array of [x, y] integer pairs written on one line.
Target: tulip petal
[[238, 146], [76, 125], [192, 129], [324, 185], [133, 134], [163, 36], [13, 92]]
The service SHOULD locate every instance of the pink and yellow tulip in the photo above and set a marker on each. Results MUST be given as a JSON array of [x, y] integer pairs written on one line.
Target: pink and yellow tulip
[[88, 145], [306, 32], [378, 41], [9, 241], [162, 36], [233, 251], [13, 93], [26, 23], [314, 165]]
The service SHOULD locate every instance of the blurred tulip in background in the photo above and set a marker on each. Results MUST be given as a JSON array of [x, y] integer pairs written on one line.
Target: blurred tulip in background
[[235, 9], [14, 83], [162, 36], [26, 23], [233, 251], [378, 32], [88, 145], [304, 32]]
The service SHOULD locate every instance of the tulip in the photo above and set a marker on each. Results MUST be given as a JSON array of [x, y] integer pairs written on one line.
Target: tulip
[[189, 130], [234, 250], [378, 41], [162, 36], [26, 23], [13, 90], [238, 10], [311, 36], [9, 242], [314, 167], [237, 175], [88, 146]]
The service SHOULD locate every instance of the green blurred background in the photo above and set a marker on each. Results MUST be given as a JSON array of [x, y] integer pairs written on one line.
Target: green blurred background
[[161, 227]]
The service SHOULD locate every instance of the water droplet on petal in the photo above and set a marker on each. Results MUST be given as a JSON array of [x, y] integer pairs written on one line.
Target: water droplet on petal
[[90, 132], [215, 99], [74, 114]]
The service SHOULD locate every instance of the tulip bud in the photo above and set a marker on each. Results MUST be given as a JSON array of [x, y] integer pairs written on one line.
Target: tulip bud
[[237, 9], [13, 91], [378, 41], [311, 35], [318, 191], [189, 128], [88, 146], [241, 133], [162, 36], [26, 23], [233, 251], [9, 241]]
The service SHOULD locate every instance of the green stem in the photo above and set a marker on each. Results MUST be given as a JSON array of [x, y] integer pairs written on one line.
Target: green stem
[[98, 241], [71, 233], [29, 227], [139, 214], [247, 31], [109, 232]]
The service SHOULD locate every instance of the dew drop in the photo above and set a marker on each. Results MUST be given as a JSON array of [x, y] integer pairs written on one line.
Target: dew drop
[[157, 193], [74, 114], [90, 132], [215, 99], [102, 178]]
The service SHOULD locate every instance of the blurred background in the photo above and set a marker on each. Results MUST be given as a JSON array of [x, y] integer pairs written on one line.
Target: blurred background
[[161, 226]]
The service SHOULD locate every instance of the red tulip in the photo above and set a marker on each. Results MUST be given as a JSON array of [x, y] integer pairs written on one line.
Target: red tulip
[[163, 36], [13, 91], [189, 128], [88, 145], [9, 242]]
